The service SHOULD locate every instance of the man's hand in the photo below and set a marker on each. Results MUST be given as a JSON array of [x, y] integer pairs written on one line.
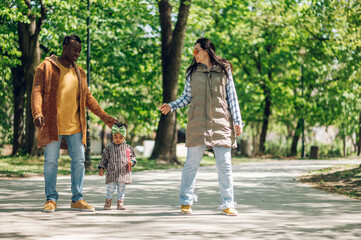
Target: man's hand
[[101, 172], [165, 108], [39, 123], [239, 130]]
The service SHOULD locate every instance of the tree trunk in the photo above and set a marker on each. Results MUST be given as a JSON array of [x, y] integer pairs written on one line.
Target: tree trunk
[[23, 80], [103, 137], [266, 115], [267, 100], [359, 137], [166, 140], [344, 145], [33, 60], [255, 135], [19, 89], [172, 44], [295, 138]]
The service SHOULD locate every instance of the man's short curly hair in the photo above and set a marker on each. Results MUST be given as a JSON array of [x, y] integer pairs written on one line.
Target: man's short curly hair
[[68, 38]]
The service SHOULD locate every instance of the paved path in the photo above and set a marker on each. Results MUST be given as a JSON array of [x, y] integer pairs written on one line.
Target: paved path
[[271, 203]]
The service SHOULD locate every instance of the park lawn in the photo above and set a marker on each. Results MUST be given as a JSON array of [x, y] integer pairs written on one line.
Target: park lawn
[[341, 179], [24, 166]]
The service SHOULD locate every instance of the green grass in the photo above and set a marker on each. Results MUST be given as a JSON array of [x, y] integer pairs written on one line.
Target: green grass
[[336, 170], [342, 179], [24, 166], [142, 165]]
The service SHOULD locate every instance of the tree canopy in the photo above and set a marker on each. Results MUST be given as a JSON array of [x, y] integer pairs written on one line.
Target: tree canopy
[[262, 40]]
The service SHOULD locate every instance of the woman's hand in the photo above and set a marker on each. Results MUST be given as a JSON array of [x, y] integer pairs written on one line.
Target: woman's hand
[[239, 130], [165, 108]]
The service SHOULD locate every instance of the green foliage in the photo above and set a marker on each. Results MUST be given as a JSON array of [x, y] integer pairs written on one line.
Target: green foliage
[[262, 39], [10, 14], [126, 63]]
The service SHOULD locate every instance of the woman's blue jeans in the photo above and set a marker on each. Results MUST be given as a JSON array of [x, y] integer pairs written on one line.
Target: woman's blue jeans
[[77, 154], [225, 179]]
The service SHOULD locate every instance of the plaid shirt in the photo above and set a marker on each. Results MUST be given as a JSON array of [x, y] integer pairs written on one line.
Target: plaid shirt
[[232, 99]]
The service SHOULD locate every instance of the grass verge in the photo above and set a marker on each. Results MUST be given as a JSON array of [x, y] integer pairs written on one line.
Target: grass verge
[[24, 166], [340, 179]]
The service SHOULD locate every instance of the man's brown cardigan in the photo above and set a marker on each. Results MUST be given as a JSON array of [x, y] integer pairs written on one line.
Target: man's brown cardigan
[[44, 101]]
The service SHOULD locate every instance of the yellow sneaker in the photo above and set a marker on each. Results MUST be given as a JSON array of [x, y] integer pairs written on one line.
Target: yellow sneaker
[[50, 206], [229, 212], [81, 205], [186, 209]]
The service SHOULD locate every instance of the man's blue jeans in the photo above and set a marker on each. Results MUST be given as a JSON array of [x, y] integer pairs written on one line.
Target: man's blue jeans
[[77, 154], [225, 179]]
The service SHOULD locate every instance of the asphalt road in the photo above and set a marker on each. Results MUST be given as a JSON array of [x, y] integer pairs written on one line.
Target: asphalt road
[[271, 205]]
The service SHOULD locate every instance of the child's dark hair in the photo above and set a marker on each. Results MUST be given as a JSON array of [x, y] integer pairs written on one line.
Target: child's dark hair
[[121, 124]]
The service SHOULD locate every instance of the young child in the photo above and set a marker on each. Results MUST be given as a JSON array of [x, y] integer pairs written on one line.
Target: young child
[[118, 158]]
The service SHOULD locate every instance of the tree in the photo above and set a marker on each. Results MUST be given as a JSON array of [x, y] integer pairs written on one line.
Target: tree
[[24, 53], [257, 38], [28, 30], [9, 59], [261, 39], [172, 44], [330, 34], [126, 64]]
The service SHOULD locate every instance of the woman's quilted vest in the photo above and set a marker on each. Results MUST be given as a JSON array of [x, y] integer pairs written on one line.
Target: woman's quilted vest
[[209, 119]]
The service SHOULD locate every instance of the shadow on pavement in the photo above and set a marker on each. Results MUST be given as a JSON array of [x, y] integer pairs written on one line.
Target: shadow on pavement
[[272, 205]]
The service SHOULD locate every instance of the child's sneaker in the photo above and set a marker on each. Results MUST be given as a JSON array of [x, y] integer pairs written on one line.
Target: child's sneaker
[[81, 205], [186, 209], [229, 212], [120, 205], [108, 204], [50, 206]]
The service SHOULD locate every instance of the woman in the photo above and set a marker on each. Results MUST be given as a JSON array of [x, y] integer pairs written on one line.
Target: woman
[[214, 120]]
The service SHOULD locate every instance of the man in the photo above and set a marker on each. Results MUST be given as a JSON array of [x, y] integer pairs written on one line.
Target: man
[[59, 97]]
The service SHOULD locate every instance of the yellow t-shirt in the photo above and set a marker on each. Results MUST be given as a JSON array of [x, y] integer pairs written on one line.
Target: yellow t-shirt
[[68, 102]]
